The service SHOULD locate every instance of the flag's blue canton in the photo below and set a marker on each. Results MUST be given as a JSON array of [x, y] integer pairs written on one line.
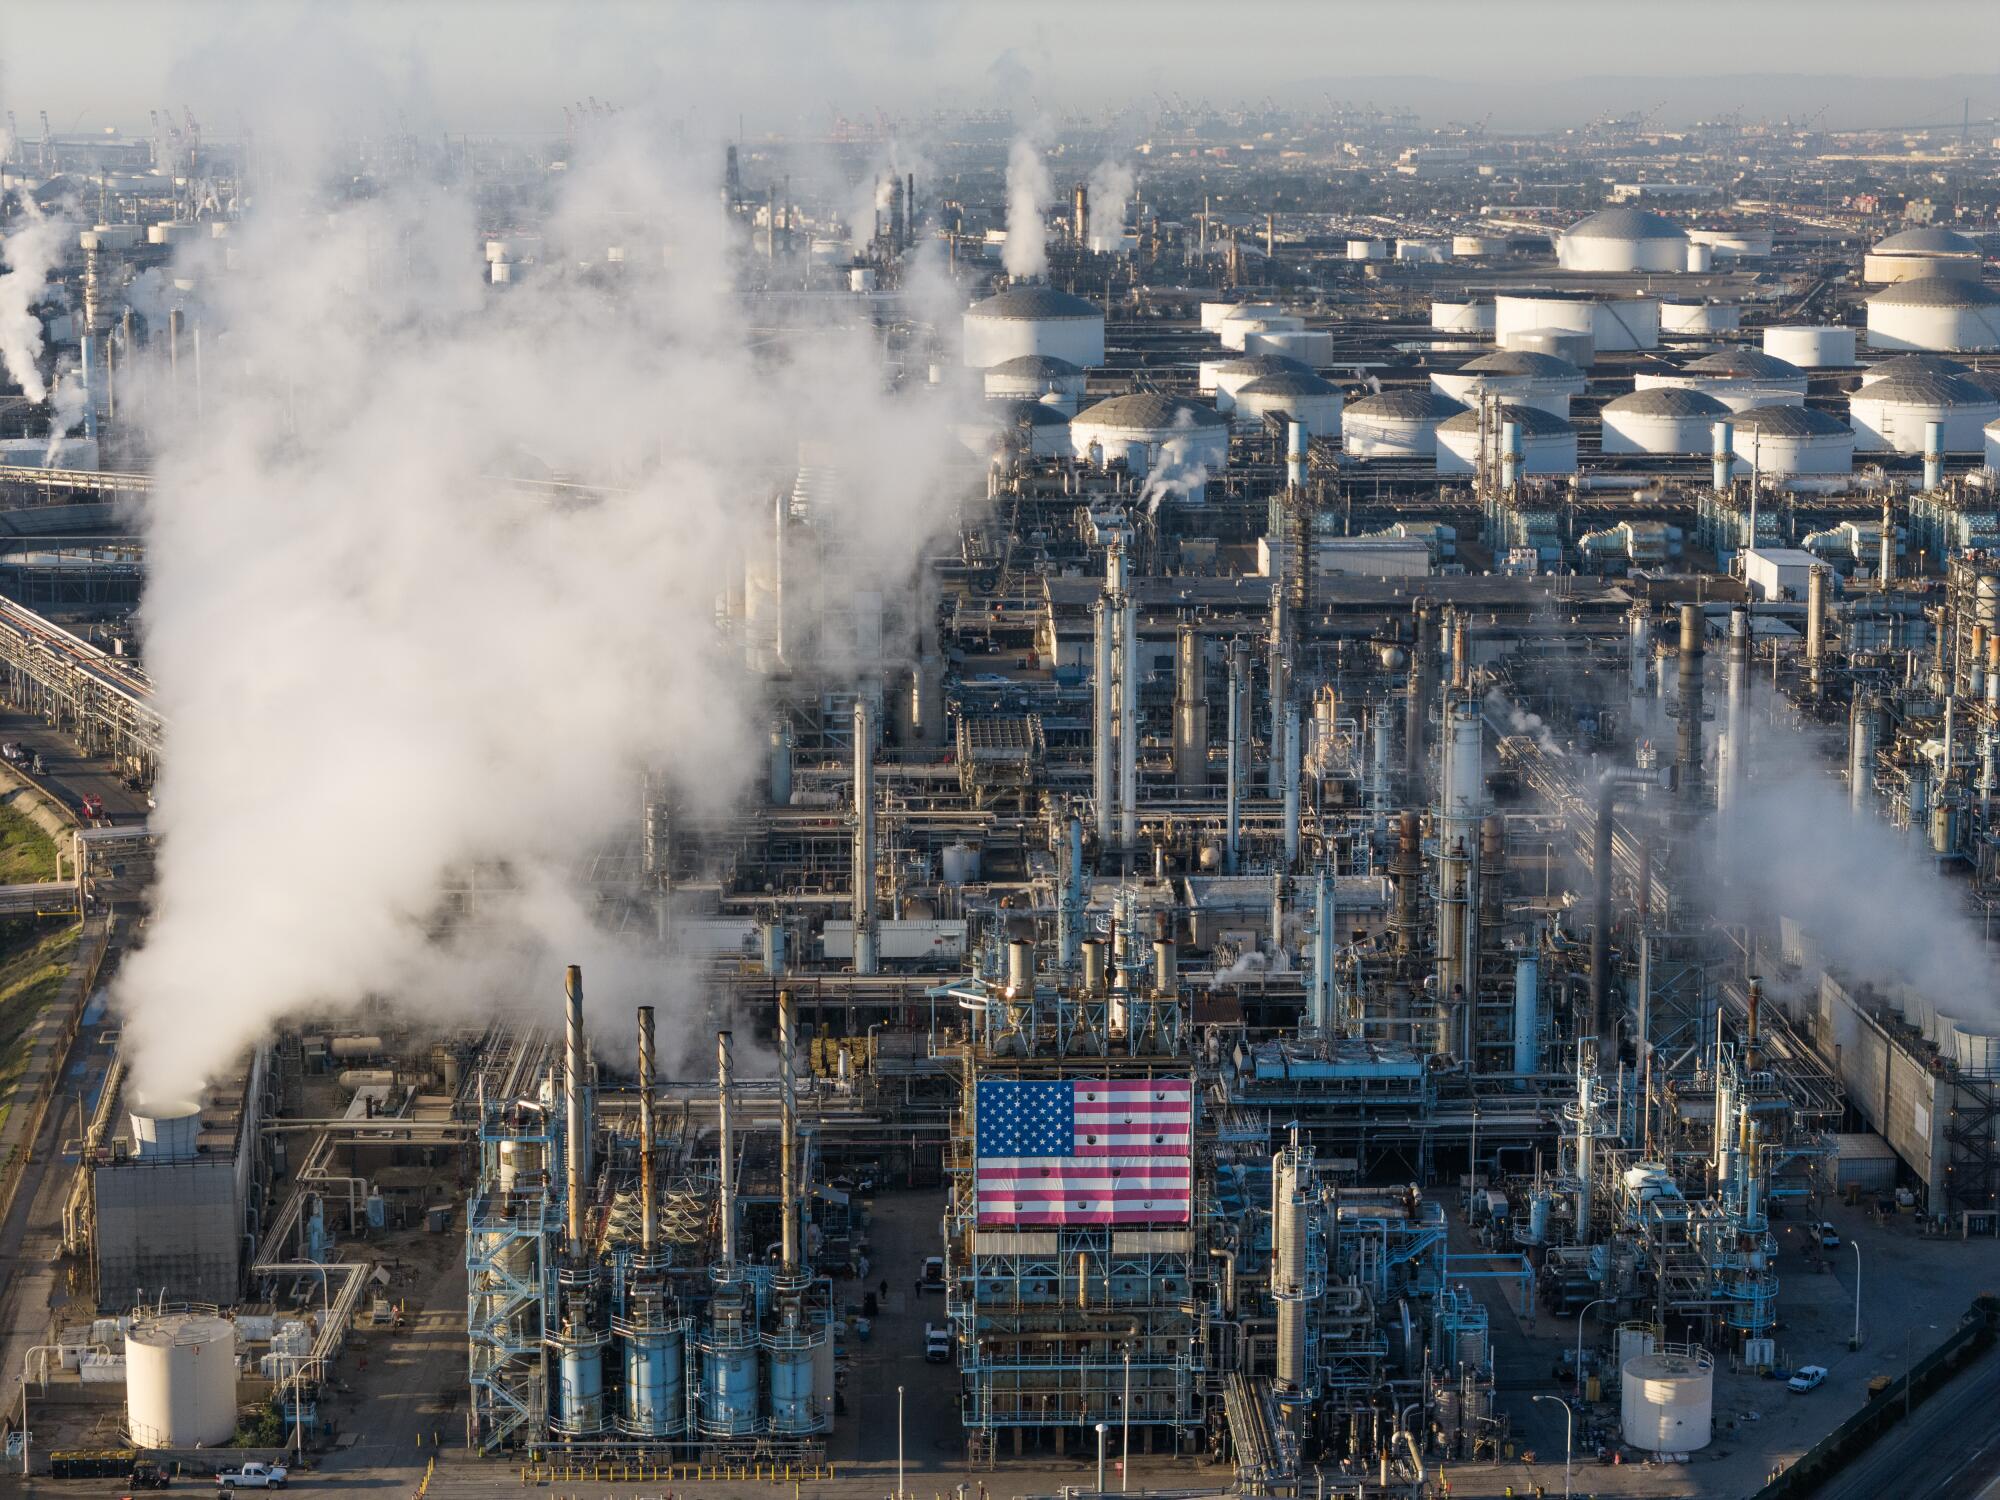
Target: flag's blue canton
[[1026, 1119]]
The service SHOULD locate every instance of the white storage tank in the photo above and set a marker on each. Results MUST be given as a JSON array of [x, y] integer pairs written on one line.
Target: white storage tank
[[1616, 325], [1700, 259], [1367, 249], [1395, 424], [1919, 254], [1739, 378], [1623, 239], [1697, 317], [1667, 1402], [1517, 375], [1469, 315], [1548, 443], [1039, 429], [1781, 441], [1256, 317], [1811, 346], [1154, 432], [1993, 446], [1889, 416], [1479, 246], [1037, 377], [1310, 346], [1212, 313], [1914, 364], [1565, 344], [1423, 251], [1300, 397], [1034, 320], [1937, 312], [1663, 420], [1226, 374], [180, 1381], [1733, 244]]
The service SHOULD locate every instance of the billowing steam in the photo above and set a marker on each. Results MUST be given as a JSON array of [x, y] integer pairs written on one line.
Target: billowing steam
[[1111, 185], [29, 253], [387, 665], [1029, 193], [66, 404]]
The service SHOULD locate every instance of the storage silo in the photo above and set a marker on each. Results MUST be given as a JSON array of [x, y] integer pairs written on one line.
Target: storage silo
[[1811, 346], [1226, 374], [1034, 320], [1890, 416], [1565, 344], [1468, 315], [1920, 254], [180, 1381], [1517, 375], [1547, 443], [1663, 420], [1937, 312], [1151, 432], [1913, 364], [1256, 317], [1615, 324], [1300, 397], [1367, 249], [1479, 246], [1739, 378], [1781, 441], [1395, 424], [1698, 317], [1037, 377], [1423, 250], [1310, 346], [1623, 239], [1212, 313], [1667, 1400]]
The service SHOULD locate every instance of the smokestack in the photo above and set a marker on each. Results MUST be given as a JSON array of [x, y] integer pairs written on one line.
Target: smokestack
[[1080, 216], [176, 319], [1128, 726], [1815, 625], [1270, 237], [1688, 749], [1752, 1053], [1737, 711], [1101, 741], [1296, 441], [788, 1187], [864, 838], [1886, 565], [725, 1079], [1600, 913], [910, 211], [649, 1218], [1863, 730], [1239, 733], [1933, 455], [576, 1142], [1723, 453], [1510, 455], [1166, 958]]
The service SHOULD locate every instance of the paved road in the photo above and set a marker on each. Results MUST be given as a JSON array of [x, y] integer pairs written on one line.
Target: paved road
[[1948, 1447], [67, 773]]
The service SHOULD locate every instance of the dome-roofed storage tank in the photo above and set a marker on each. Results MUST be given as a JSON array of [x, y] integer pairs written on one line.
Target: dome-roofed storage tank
[[1937, 312], [1565, 344], [1664, 420], [1616, 325], [1890, 416], [1738, 378], [1667, 1400], [1623, 239], [1811, 346], [1781, 441], [1301, 397], [1039, 429], [1518, 375], [1034, 320], [1548, 443], [1036, 377], [1914, 364], [1395, 424], [1226, 374], [1179, 439], [1256, 317], [1920, 254], [180, 1381]]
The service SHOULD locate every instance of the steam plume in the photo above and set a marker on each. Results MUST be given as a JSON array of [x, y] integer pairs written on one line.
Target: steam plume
[[1111, 184], [1029, 191], [30, 253]]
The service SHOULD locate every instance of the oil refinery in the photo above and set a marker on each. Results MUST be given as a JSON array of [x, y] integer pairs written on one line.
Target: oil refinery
[[1306, 804]]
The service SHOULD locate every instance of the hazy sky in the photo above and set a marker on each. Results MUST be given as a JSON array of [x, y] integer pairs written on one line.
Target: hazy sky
[[487, 65]]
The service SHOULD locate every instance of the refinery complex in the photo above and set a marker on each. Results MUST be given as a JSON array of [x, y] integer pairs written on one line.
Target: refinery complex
[[1338, 836]]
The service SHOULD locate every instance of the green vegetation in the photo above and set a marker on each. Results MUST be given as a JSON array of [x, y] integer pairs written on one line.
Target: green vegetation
[[26, 853], [33, 964], [265, 1430]]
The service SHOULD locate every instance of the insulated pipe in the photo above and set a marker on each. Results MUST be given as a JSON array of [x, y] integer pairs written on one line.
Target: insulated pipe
[[1101, 740], [725, 1147], [649, 1214], [1722, 454], [788, 1149], [1689, 747], [1128, 727], [1815, 624], [1737, 720], [576, 1142], [864, 837]]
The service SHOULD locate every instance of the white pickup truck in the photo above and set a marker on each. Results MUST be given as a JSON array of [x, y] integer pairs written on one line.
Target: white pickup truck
[[252, 1477]]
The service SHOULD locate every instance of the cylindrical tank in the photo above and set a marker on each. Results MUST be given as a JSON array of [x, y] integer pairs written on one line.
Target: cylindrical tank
[[367, 1078], [1811, 346], [1256, 317], [655, 1380], [580, 1408], [1538, 380], [1396, 424], [1468, 316], [1547, 443], [1570, 345], [1668, 1400], [1615, 324], [1662, 420], [728, 1388], [166, 1132], [1701, 258], [1892, 414], [1935, 312], [1309, 346], [1292, 1373], [1785, 440], [1225, 374], [1697, 317], [1423, 250], [790, 1354], [1478, 246], [355, 1048], [180, 1381], [1367, 250], [1298, 397], [1033, 320], [960, 864]]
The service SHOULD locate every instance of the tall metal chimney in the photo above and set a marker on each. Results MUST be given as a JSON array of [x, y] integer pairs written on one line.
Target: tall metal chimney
[[1102, 736], [1600, 916], [1239, 768], [1815, 625], [1128, 726], [1736, 710], [1080, 216], [649, 1214], [725, 1078], [1933, 455], [1688, 746], [1722, 455], [1886, 564], [576, 1135], [788, 1186], [1297, 440], [864, 837]]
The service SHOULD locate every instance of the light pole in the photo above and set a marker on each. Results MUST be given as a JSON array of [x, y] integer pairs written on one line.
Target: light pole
[[1102, 1428], [1125, 1432], [1569, 1437], [1855, 1341], [1579, 1337], [24, 1421], [899, 1443]]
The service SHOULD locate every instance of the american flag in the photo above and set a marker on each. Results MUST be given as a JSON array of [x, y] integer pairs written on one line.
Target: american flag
[[1098, 1151]]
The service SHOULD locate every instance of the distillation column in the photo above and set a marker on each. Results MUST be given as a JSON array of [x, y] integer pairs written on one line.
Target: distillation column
[[864, 837]]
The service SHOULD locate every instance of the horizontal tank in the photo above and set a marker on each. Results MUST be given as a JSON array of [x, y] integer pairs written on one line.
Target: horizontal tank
[[356, 1048], [180, 1381]]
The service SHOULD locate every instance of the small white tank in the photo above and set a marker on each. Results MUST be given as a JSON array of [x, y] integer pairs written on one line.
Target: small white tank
[[1667, 1402], [180, 1381], [1811, 347]]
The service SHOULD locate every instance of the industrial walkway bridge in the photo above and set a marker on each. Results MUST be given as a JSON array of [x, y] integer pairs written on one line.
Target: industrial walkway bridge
[[103, 702]]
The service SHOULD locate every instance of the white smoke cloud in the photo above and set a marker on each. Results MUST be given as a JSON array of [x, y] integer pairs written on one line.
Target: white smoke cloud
[[65, 411], [1111, 186], [382, 667], [29, 253], [1029, 192]]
